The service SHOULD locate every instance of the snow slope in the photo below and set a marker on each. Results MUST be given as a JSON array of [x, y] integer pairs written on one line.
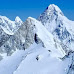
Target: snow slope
[[45, 65], [35, 60], [10, 63]]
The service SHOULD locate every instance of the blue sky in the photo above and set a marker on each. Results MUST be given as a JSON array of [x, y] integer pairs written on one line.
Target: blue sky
[[33, 8]]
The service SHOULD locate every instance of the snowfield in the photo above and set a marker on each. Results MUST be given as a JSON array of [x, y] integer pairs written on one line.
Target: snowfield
[[36, 60]]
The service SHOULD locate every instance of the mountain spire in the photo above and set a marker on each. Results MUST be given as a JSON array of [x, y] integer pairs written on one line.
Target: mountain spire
[[17, 19], [53, 8]]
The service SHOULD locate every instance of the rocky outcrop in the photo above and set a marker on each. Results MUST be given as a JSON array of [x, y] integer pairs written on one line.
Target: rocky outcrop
[[3, 37], [71, 68]]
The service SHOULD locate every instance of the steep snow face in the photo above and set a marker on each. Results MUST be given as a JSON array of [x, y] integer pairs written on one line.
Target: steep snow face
[[45, 64], [9, 26], [46, 37], [56, 23], [35, 60]]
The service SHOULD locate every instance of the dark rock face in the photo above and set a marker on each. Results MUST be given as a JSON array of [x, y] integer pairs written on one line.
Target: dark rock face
[[62, 35], [71, 68], [3, 37]]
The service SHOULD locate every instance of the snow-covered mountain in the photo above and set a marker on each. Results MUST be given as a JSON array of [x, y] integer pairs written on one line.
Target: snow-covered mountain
[[61, 27], [36, 60], [43, 46], [7, 29], [8, 26]]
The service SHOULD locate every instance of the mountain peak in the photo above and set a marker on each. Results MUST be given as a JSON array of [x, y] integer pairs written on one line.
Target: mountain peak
[[17, 19], [53, 8], [51, 13]]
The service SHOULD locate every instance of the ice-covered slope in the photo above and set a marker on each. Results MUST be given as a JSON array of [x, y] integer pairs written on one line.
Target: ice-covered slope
[[9, 26], [9, 64], [35, 60], [40, 62], [61, 27]]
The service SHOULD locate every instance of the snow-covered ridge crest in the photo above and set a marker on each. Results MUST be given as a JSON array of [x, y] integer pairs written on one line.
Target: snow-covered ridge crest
[[46, 37], [54, 8], [17, 19], [9, 26], [50, 15]]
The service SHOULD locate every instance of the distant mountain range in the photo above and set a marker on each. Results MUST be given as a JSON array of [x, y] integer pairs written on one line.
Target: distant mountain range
[[37, 46]]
